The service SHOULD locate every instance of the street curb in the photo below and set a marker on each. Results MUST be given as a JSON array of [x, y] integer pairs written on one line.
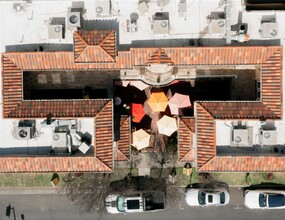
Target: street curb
[[48, 190]]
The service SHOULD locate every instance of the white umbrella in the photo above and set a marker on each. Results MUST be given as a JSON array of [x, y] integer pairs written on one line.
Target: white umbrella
[[166, 125], [140, 139], [139, 84]]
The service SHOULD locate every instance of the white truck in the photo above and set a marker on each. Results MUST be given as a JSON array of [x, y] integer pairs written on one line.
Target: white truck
[[141, 202]]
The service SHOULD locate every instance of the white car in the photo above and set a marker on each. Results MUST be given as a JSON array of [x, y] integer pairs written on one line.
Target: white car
[[198, 197], [264, 199], [121, 204]]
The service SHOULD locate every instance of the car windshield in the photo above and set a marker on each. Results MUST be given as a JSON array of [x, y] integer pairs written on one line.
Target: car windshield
[[120, 203], [262, 200], [275, 200], [202, 198], [223, 198]]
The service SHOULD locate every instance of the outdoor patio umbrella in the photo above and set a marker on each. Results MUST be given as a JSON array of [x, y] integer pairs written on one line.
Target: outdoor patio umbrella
[[178, 101], [137, 112], [140, 139], [166, 125], [139, 84], [157, 101]]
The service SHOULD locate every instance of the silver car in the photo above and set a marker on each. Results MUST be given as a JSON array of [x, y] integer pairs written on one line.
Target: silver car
[[198, 197], [264, 199]]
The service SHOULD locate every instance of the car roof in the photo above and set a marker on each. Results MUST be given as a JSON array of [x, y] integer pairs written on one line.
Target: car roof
[[276, 200]]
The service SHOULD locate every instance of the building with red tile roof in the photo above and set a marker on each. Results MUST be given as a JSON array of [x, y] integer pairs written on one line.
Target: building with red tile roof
[[96, 50]]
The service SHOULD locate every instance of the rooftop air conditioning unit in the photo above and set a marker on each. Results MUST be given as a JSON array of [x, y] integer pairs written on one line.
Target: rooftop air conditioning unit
[[59, 139], [55, 31], [268, 137], [240, 137], [161, 23], [103, 8], [74, 19], [25, 130]]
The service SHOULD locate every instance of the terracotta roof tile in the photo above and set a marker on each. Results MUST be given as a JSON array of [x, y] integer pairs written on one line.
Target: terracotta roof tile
[[104, 135], [244, 164], [124, 142], [119, 156], [58, 108], [94, 46], [238, 110], [51, 164], [269, 57], [159, 57], [11, 85], [64, 61], [191, 156], [206, 136], [271, 85], [208, 55], [185, 139]]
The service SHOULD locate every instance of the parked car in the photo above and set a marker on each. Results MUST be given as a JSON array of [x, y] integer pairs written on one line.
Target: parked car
[[264, 199], [140, 202], [198, 197]]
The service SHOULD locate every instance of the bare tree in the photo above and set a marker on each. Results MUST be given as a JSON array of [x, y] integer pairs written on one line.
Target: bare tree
[[88, 192], [208, 183]]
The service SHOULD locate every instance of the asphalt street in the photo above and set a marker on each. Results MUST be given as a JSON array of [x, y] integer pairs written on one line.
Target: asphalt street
[[38, 205]]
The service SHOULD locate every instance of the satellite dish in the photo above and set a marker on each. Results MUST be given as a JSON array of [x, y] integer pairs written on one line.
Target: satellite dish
[[163, 24], [23, 133], [99, 9], [237, 139], [56, 137], [73, 19], [57, 29], [266, 134]]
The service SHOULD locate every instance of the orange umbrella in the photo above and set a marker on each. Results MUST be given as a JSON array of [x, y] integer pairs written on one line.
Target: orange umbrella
[[157, 101], [137, 112]]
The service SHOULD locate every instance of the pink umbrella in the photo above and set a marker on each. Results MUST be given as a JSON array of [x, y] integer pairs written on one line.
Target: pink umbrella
[[139, 84], [178, 101]]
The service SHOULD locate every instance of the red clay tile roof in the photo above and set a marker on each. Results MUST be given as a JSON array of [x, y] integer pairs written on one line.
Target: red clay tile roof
[[238, 110], [64, 61], [206, 136], [159, 57], [122, 151], [208, 55], [51, 164], [103, 143], [271, 85], [270, 59], [11, 85], [244, 164], [186, 129], [58, 108], [94, 46]]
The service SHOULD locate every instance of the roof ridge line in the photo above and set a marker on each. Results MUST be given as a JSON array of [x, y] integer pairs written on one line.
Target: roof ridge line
[[76, 60], [81, 38], [187, 154], [180, 119], [122, 154], [106, 103], [105, 165], [106, 54], [105, 38], [206, 110], [212, 158]]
